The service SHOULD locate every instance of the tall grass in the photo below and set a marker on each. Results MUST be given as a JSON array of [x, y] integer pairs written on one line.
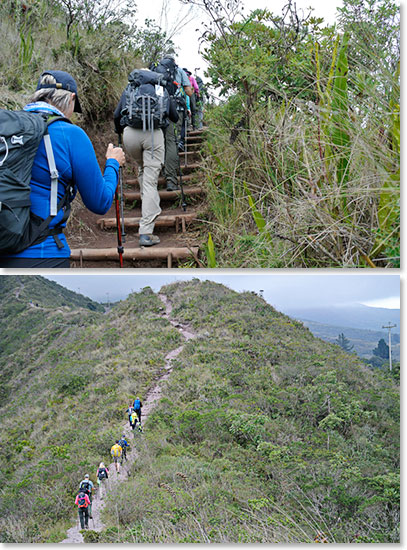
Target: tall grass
[[97, 53], [307, 175]]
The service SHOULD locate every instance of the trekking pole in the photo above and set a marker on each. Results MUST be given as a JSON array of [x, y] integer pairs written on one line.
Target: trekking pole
[[186, 139], [120, 249], [123, 234]]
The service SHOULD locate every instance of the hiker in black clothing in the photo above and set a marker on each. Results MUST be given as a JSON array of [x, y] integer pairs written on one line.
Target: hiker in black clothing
[[137, 407], [123, 444], [102, 475], [86, 486]]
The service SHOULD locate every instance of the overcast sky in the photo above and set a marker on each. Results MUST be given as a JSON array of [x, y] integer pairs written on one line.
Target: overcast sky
[[186, 40], [280, 290]]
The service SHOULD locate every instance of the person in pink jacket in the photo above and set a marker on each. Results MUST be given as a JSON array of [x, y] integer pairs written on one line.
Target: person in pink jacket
[[193, 99], [82, 501]]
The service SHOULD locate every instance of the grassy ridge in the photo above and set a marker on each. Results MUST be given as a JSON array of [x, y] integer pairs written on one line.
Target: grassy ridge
[[65, 390], [265, 434]]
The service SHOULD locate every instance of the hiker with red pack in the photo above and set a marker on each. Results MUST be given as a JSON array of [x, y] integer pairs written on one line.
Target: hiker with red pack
[[82, 501]]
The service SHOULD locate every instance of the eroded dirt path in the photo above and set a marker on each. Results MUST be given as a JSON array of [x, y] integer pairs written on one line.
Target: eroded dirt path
[[73, 535]]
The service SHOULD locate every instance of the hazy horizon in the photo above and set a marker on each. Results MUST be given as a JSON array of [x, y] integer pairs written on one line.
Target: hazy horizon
[[282, 291]]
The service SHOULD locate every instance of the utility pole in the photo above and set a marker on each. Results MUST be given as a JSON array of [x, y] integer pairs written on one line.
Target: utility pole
[[389, 327]]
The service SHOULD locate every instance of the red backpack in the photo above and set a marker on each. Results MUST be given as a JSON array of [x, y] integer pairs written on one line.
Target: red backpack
[[82, 501]]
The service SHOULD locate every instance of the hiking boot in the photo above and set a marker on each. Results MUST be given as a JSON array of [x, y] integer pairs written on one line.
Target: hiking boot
[[172, 186], [149, 240]]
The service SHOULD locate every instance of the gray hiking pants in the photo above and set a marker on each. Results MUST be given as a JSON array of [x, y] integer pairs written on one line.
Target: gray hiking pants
[[171, 154], [148, 152]]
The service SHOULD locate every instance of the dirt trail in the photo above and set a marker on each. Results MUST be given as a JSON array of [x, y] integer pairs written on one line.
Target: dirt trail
[[153, 396]]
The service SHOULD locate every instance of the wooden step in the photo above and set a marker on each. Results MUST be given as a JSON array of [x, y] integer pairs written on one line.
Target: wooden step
[[163, 220], [197, 132], [191, 167], [161, 181], [194, 140], [195, 146], [141, 253], [165, 195]]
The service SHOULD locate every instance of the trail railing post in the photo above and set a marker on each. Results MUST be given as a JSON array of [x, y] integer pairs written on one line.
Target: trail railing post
[[183, 201]]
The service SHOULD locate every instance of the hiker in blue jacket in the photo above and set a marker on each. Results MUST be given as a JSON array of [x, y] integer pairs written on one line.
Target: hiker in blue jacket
[[75, 158], [137, 407]]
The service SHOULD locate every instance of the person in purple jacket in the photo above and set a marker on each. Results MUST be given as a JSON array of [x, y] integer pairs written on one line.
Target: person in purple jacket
[[78, 169]]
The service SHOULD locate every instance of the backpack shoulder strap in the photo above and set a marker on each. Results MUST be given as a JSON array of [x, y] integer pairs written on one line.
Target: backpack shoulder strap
[[52, 166]]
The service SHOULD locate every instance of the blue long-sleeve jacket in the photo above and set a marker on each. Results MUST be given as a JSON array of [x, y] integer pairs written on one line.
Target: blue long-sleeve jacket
[[76, 163]]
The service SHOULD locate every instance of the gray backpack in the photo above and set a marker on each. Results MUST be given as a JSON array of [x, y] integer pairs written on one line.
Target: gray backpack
[[20, 135]]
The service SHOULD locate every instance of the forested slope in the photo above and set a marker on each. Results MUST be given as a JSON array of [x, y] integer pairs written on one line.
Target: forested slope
[[264, 433]]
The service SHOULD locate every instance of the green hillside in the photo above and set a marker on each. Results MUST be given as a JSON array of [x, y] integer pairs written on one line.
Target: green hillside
[[67, 378], [264, 433], [302, 153]]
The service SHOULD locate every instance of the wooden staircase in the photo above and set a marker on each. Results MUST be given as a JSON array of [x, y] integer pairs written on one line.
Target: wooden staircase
[[174, 226]]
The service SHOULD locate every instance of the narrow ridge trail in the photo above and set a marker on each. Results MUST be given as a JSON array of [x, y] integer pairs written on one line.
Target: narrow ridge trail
[[73, 535], [97, 247]]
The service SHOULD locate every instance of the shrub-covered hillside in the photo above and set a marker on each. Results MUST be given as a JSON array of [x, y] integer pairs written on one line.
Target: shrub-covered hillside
[[265, 434], [67, 377], [304, 152]]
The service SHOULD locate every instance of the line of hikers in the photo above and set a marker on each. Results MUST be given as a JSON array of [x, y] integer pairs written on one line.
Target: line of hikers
[[153, 115], [45, 159], [118, 452]]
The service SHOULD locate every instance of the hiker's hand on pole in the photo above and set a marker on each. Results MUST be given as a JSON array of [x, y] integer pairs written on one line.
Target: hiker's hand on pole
[[116, 153]]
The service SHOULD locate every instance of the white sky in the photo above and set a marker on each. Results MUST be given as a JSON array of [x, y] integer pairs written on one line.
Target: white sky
[[291, 289], [187, 40]]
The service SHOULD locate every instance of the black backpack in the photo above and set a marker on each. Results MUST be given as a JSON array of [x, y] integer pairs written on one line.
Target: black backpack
[[102, 474], [85, 486], [168, 69], [20, 135], [201, 86], [146, 101]]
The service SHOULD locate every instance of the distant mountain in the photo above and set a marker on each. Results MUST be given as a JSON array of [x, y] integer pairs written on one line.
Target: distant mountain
[[364, 341], [353, 316], [28, 303], [41, 292]]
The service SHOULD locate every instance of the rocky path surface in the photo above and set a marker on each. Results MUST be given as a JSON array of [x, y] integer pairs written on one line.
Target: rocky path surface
[[74, 535]]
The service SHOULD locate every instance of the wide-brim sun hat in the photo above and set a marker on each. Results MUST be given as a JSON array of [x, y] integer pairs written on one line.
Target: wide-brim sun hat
[[64, 81]]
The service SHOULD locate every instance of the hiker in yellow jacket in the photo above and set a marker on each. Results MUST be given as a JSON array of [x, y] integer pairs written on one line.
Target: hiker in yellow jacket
[[116, 452]]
